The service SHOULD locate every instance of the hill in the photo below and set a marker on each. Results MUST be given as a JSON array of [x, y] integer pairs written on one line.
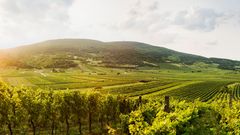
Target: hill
[[65, 53]]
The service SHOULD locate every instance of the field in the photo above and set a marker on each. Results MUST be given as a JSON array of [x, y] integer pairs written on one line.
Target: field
[[96, 100], [205, 85]]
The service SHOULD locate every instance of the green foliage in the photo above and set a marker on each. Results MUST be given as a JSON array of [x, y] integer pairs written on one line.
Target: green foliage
[[23, 110], [63, 53], [225, 63], [184, 118], [70, 112], [204, 91], [174, 59]]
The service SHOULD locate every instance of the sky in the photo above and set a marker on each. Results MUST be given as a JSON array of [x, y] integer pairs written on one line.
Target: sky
[[209, 28]]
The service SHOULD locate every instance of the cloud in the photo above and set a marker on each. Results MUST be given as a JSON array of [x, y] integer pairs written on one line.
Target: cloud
[[202, 19], [149, 18], [166, 23], [144, 17], [154, 6], [33, 19], [238, 17], [212, 43], [37, 10]]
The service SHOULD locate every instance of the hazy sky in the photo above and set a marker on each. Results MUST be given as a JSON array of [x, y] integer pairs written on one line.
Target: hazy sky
[[206, 27]]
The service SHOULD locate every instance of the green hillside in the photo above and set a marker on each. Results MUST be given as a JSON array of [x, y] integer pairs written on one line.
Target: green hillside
[[65, 53], [150, 90]]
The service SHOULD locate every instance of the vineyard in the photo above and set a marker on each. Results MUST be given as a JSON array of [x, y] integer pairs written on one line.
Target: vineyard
[[25, 111], [118, 101], [132, 83]]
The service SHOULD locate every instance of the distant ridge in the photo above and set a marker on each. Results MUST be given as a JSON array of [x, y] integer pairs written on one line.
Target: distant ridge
[[114, 54]]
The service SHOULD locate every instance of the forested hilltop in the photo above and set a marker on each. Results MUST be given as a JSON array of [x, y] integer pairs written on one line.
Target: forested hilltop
[[66, 53]]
